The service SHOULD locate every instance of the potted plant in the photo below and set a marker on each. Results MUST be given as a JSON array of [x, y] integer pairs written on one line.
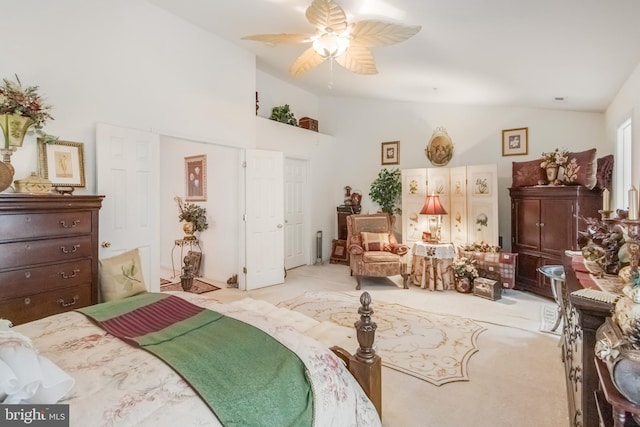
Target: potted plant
[[283, 114], [386, 189], [194, 217]]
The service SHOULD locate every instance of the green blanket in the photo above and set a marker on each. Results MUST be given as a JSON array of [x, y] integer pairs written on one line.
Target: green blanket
[[245, 376]]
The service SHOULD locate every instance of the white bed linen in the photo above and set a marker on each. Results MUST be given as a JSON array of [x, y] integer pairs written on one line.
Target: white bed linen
[[120, 385]]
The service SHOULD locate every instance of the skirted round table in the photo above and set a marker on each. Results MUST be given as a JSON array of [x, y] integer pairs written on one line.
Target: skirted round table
[[432, 265]]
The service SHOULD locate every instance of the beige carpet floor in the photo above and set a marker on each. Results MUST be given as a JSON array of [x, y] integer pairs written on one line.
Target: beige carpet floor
[[516, 377]]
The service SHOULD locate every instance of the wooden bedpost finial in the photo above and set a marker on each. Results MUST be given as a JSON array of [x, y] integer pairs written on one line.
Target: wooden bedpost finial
[[365, 329]]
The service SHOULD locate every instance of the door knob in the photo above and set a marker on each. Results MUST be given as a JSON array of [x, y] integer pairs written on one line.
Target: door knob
[[106, 244]]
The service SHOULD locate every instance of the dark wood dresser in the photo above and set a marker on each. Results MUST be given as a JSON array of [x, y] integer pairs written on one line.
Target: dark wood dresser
[[582, 315], [48, 254], [544, 223]]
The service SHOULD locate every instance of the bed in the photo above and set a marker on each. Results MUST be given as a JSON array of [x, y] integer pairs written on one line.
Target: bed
[[119, 384]]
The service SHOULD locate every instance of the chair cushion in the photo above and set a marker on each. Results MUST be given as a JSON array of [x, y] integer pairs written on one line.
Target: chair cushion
[[380, 256], [374, 241]]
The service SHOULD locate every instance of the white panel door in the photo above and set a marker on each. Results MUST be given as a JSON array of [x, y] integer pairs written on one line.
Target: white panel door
[[296, 247], [264, 218], [128, 175]]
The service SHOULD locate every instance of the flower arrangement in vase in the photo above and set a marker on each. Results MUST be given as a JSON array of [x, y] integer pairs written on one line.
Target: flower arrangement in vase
[[194, 217], [552, 161], [464, 271]]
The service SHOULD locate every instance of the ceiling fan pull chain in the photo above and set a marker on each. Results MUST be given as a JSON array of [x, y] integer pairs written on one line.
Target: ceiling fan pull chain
[[330, 85]]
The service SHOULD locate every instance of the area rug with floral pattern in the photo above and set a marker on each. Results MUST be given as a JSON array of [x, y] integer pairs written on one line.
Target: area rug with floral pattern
[[433, 347]]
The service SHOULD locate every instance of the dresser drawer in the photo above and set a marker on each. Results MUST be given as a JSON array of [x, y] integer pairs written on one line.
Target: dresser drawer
[[18, 254], [22, 310], [33, 280], [51, 224]]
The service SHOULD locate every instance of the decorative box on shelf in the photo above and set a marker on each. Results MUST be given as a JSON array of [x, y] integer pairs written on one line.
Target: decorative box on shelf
[[487, 288], [309, 123]]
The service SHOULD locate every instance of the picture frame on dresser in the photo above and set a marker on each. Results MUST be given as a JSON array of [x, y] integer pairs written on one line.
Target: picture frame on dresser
[[62, 163], [515, 142]]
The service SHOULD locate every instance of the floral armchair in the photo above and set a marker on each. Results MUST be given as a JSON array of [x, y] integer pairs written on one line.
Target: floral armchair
[[374, 250]]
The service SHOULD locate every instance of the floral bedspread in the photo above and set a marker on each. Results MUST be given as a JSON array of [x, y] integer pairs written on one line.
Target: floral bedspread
[[119, 385]]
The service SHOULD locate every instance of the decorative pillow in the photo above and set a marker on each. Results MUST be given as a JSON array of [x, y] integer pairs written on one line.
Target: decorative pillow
[[604, 172], [527, 174], [121, 276], [374, 241], [581, 169], [392, 247]]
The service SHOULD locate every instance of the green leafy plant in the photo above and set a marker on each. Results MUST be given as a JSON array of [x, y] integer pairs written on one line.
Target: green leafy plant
[[386, 189], [191, 212], [283, 114]]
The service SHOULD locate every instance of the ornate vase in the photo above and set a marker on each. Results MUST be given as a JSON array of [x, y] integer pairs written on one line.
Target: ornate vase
[[464, 285], [189, 229], [552, 172]]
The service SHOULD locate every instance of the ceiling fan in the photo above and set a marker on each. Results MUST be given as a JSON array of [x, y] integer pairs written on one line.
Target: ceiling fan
[[348, 44]]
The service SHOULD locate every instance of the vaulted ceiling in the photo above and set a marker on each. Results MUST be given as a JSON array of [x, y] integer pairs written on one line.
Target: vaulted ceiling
[[560, 54]]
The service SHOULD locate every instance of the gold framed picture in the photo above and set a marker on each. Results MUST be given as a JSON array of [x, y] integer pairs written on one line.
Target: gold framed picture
[[62, 162], [515, 142], [195, 170], [391, 153]]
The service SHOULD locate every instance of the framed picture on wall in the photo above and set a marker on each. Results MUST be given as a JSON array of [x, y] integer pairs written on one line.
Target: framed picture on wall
[[391, 153], [62, 162], [195, 170], [515, 142]]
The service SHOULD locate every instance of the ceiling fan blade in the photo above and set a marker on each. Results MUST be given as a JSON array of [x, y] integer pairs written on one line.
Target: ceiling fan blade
[[358, 59], [305, 62], [282, 38], [327, 16], [376, 33]]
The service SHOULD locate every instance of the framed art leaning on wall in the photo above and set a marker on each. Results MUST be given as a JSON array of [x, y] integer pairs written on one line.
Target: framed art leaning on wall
[[62, 162]]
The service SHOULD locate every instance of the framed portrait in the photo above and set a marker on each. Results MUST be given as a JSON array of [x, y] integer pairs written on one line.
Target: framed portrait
[[515, 142], [391, 153], [195, 171], [62, 163]]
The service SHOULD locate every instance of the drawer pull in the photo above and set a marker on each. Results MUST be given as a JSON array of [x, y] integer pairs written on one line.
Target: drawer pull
[[73, 249], [27, 274], [69, 276], [70, 303], [63, 223], [27, 219], [27, 301]]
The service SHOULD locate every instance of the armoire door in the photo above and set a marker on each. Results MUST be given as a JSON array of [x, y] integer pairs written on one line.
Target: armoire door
[[556, 226]]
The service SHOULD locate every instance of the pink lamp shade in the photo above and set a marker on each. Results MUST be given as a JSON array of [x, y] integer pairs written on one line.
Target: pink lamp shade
[[432, 206]]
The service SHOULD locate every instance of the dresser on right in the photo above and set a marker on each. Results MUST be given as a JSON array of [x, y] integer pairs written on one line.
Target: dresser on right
[[545, 221]]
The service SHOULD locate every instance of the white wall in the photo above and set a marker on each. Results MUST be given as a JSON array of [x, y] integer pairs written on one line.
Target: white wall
[[127, 63], [359, 126], [626, 104], [273, 92]]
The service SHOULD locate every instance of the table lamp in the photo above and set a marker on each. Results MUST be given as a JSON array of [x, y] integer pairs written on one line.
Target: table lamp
[[435, 210]]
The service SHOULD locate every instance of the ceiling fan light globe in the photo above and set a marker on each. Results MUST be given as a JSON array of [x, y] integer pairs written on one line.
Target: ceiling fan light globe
[[330, 45]]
